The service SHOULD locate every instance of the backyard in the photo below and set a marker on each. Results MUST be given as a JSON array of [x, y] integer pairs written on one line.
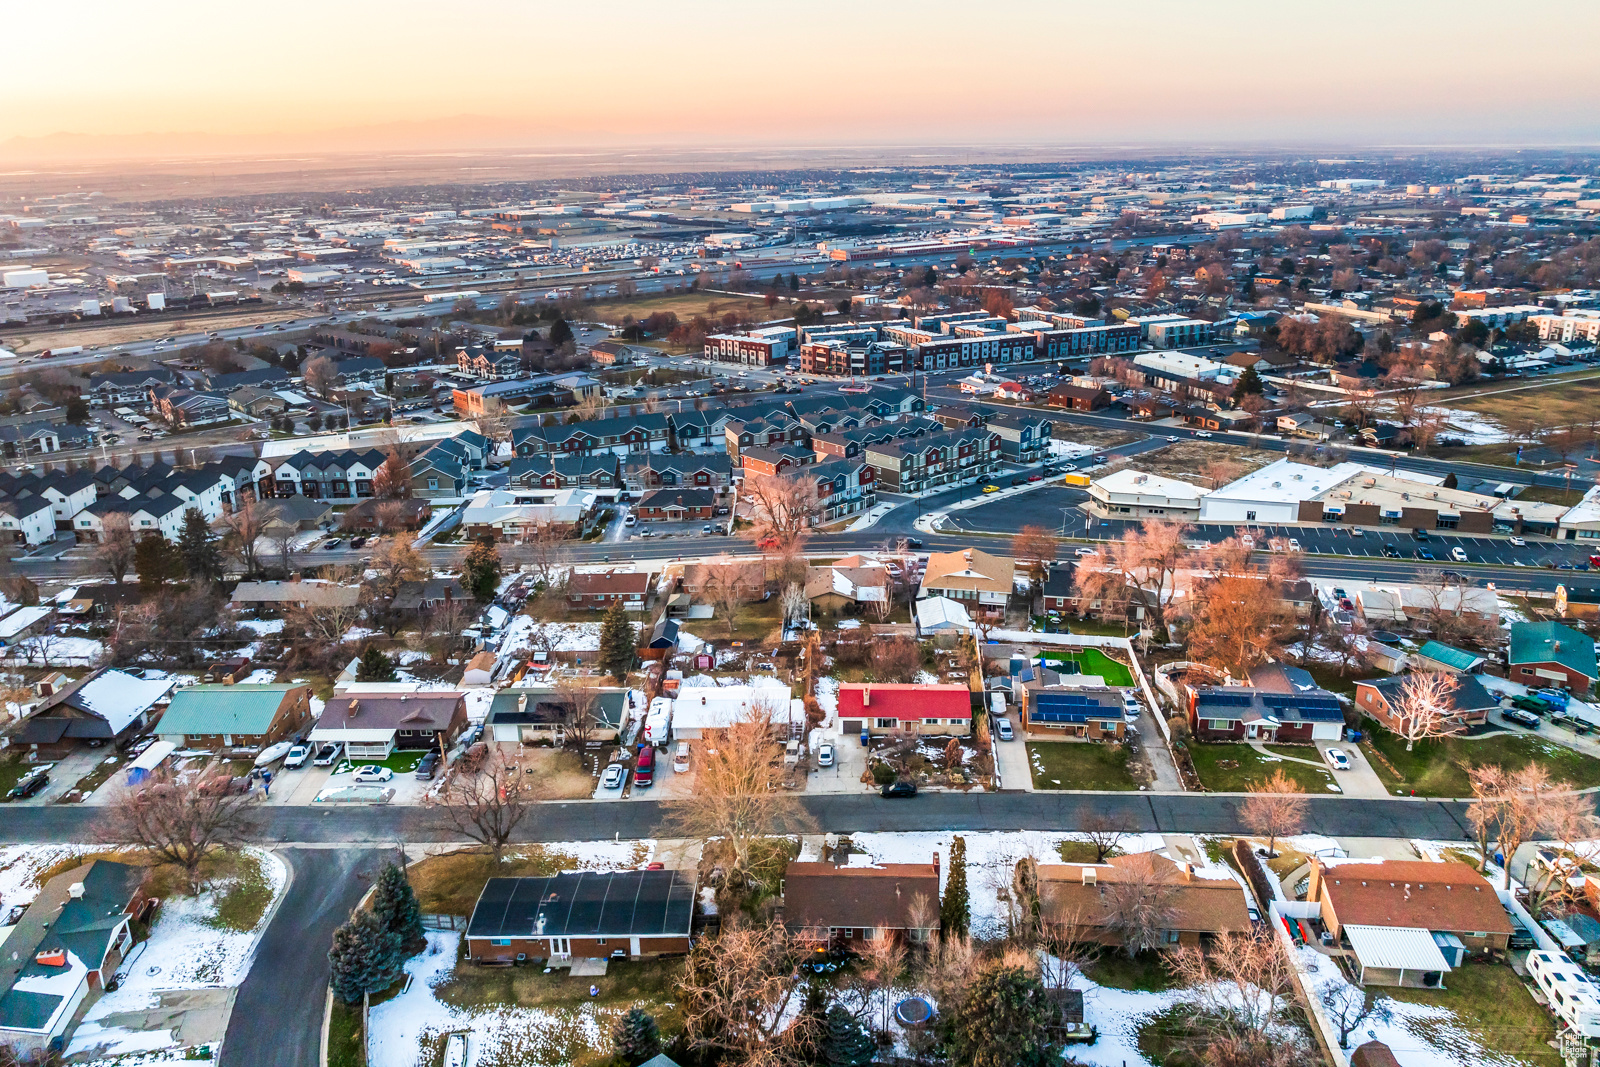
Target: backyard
[[1093, 662], [1233, 767], [1438, 768], [1080, 765], [449, 884], [752, 622], [1490, 1003]]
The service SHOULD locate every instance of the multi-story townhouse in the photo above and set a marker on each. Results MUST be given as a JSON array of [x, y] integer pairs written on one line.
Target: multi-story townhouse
[[600, 473], [657, 471], [625, 434], [1024, 438], [920, 463]]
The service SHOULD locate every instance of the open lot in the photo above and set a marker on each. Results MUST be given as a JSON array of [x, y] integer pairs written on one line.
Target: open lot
[[1438, 768], [687, 305], [1080, 765], [1555, 401], [127, 331], [1234, 767], [1203, 463]]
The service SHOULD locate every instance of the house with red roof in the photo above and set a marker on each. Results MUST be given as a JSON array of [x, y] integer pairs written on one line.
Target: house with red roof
[[944, 710]]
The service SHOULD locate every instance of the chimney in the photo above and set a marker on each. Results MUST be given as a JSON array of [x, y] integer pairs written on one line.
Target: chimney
[[897, 891], [75, 890], [522, 704], [1089, 876], [1408, 890], [355, 707], [866, 696], [1186, 870], [936, 864]]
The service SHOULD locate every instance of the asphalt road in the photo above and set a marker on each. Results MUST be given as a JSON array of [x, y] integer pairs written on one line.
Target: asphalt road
[[277, 1016], [597, 820]]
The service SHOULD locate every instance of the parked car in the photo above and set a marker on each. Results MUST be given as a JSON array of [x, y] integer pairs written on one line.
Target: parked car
[[358, 542], [1458, 554], [1517, 542], [901, 788], [644, 769], [1294, 544], [327, 755], [1337, 759], [1202, 433], [297, 756], [428, 767], [1522, 718], [1002, 729], [680, 758], [333, 544], [1035, 478], [614, 777], [991, 489], [371, 774], [1018, 481], [1391, 552], [825, 754], [29, 784]]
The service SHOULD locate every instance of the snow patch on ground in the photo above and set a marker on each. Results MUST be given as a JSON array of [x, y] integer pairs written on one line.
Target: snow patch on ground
[[262, 626]]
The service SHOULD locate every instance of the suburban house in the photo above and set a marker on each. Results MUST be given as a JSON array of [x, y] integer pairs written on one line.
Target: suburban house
[[1470, 701], [26, 520], [676, 505], [584, 915], [533, 713], [831, 906], [1409, 921], [699, 712], [279, 595], [1074, 895], [65, 947], [235, 716], [1078, 397], [1542, 653], [1246, 713], [598, 590], [104, 706], [919, 709], [621, 435], [1053, 711], [981, 582], [842, 586], [1058, 592], [372, 725]]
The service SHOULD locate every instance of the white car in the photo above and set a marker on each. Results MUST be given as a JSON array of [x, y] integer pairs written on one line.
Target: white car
[[1337, 759], [1517, 542], [615, 775], [1002, 729], [1458, 554], [1131, 706], [1202, 433], [371, 774], [1294, 545], [825, 754], [297, 756]]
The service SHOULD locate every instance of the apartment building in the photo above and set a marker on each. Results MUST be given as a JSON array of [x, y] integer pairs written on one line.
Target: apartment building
[[749, 351], [910, 466]]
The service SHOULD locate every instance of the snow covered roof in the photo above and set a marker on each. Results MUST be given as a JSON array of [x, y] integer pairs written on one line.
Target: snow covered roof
[[119, 698], [941, 613], [707, 708], [21, 619], [1132, 483]]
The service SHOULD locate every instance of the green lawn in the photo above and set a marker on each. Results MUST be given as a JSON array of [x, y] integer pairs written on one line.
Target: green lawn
[[1491, 1004], [401, 761], [1439, 768], [1093, 661], [752, 622], [345, 1047], [1235, 767], [1080, 765]]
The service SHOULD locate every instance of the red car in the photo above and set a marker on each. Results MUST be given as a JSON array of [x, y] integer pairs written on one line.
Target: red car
[[767, 542], [1035, 478]]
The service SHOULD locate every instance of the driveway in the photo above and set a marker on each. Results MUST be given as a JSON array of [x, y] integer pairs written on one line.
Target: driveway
[[849, 764], [1360, 780], [1011, 759], [277, 1016]]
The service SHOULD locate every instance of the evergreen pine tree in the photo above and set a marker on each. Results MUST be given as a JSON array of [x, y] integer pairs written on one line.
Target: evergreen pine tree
[[616, 642], [156, 562], [394, 902], [376, 666], [480, 570], [955, 911], [201, 557], [844, 1042], [365, 957], [1249, 382], [1003, 1021], [635, 1037]]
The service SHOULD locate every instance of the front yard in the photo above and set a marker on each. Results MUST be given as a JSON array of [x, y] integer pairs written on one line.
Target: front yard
[[1438, 768], [1080, 765], [1235, 767]]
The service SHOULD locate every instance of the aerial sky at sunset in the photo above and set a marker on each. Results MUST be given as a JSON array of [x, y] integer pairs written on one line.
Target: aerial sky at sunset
[[448, 74]]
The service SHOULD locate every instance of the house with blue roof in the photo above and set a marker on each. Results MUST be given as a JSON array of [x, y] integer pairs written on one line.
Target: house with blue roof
[[1549, 653], [1252, 713]]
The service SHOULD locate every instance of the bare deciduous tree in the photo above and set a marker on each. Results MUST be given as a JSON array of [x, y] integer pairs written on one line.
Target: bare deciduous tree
[[178, 821], [783, 506], [116, 548], [486, 805], [728, 587], [1424, 707], [1105, 832], [579, 701], [1275, 807], [1348, 1006], [321, 375], [736, 989], [896, 660], [737, 791], [1237, 991], [1140, 906], [550, 554], [245, 525], [1238, 622]]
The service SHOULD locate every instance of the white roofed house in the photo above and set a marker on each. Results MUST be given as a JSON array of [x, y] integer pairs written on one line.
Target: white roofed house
[[1130, 494], [700, 710], [105, 706]]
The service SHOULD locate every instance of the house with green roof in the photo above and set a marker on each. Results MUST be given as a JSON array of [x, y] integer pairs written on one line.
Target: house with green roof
[[1438, 656], [63, 950], [1548, 653], [238, 717]]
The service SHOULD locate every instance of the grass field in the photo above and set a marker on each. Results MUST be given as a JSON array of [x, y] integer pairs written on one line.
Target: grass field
[[687, 305], [1226, 767], [752, 622], [1439, 768], [1555, 401], [1080, 765], [345, 1047], [1491, 1004], [1093, 661]]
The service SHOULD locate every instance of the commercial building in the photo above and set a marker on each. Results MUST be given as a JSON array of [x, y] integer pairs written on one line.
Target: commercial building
[[1129, 494], [1274, 493], [944, 354]]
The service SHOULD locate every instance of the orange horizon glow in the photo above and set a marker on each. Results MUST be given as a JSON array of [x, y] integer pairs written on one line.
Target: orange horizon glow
[[481, 72]]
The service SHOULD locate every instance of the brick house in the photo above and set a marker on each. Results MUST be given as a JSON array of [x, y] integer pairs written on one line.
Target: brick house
[[599, 590], [1247, 713], [676, 505], [584, 915], [1470, 701], [1546, 652], [944, 710], [1053, 711], [830, 906], [1079, 397], [235, 716]]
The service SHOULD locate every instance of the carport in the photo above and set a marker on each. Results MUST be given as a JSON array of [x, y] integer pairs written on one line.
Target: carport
[[1397, 955]]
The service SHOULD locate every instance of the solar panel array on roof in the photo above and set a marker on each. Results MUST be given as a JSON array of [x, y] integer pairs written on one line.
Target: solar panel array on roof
[[1069, 708], [1310, 708], [1225, 700], [588, 904]]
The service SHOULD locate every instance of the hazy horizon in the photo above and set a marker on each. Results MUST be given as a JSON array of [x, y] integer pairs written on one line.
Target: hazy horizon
[[179, 79]]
